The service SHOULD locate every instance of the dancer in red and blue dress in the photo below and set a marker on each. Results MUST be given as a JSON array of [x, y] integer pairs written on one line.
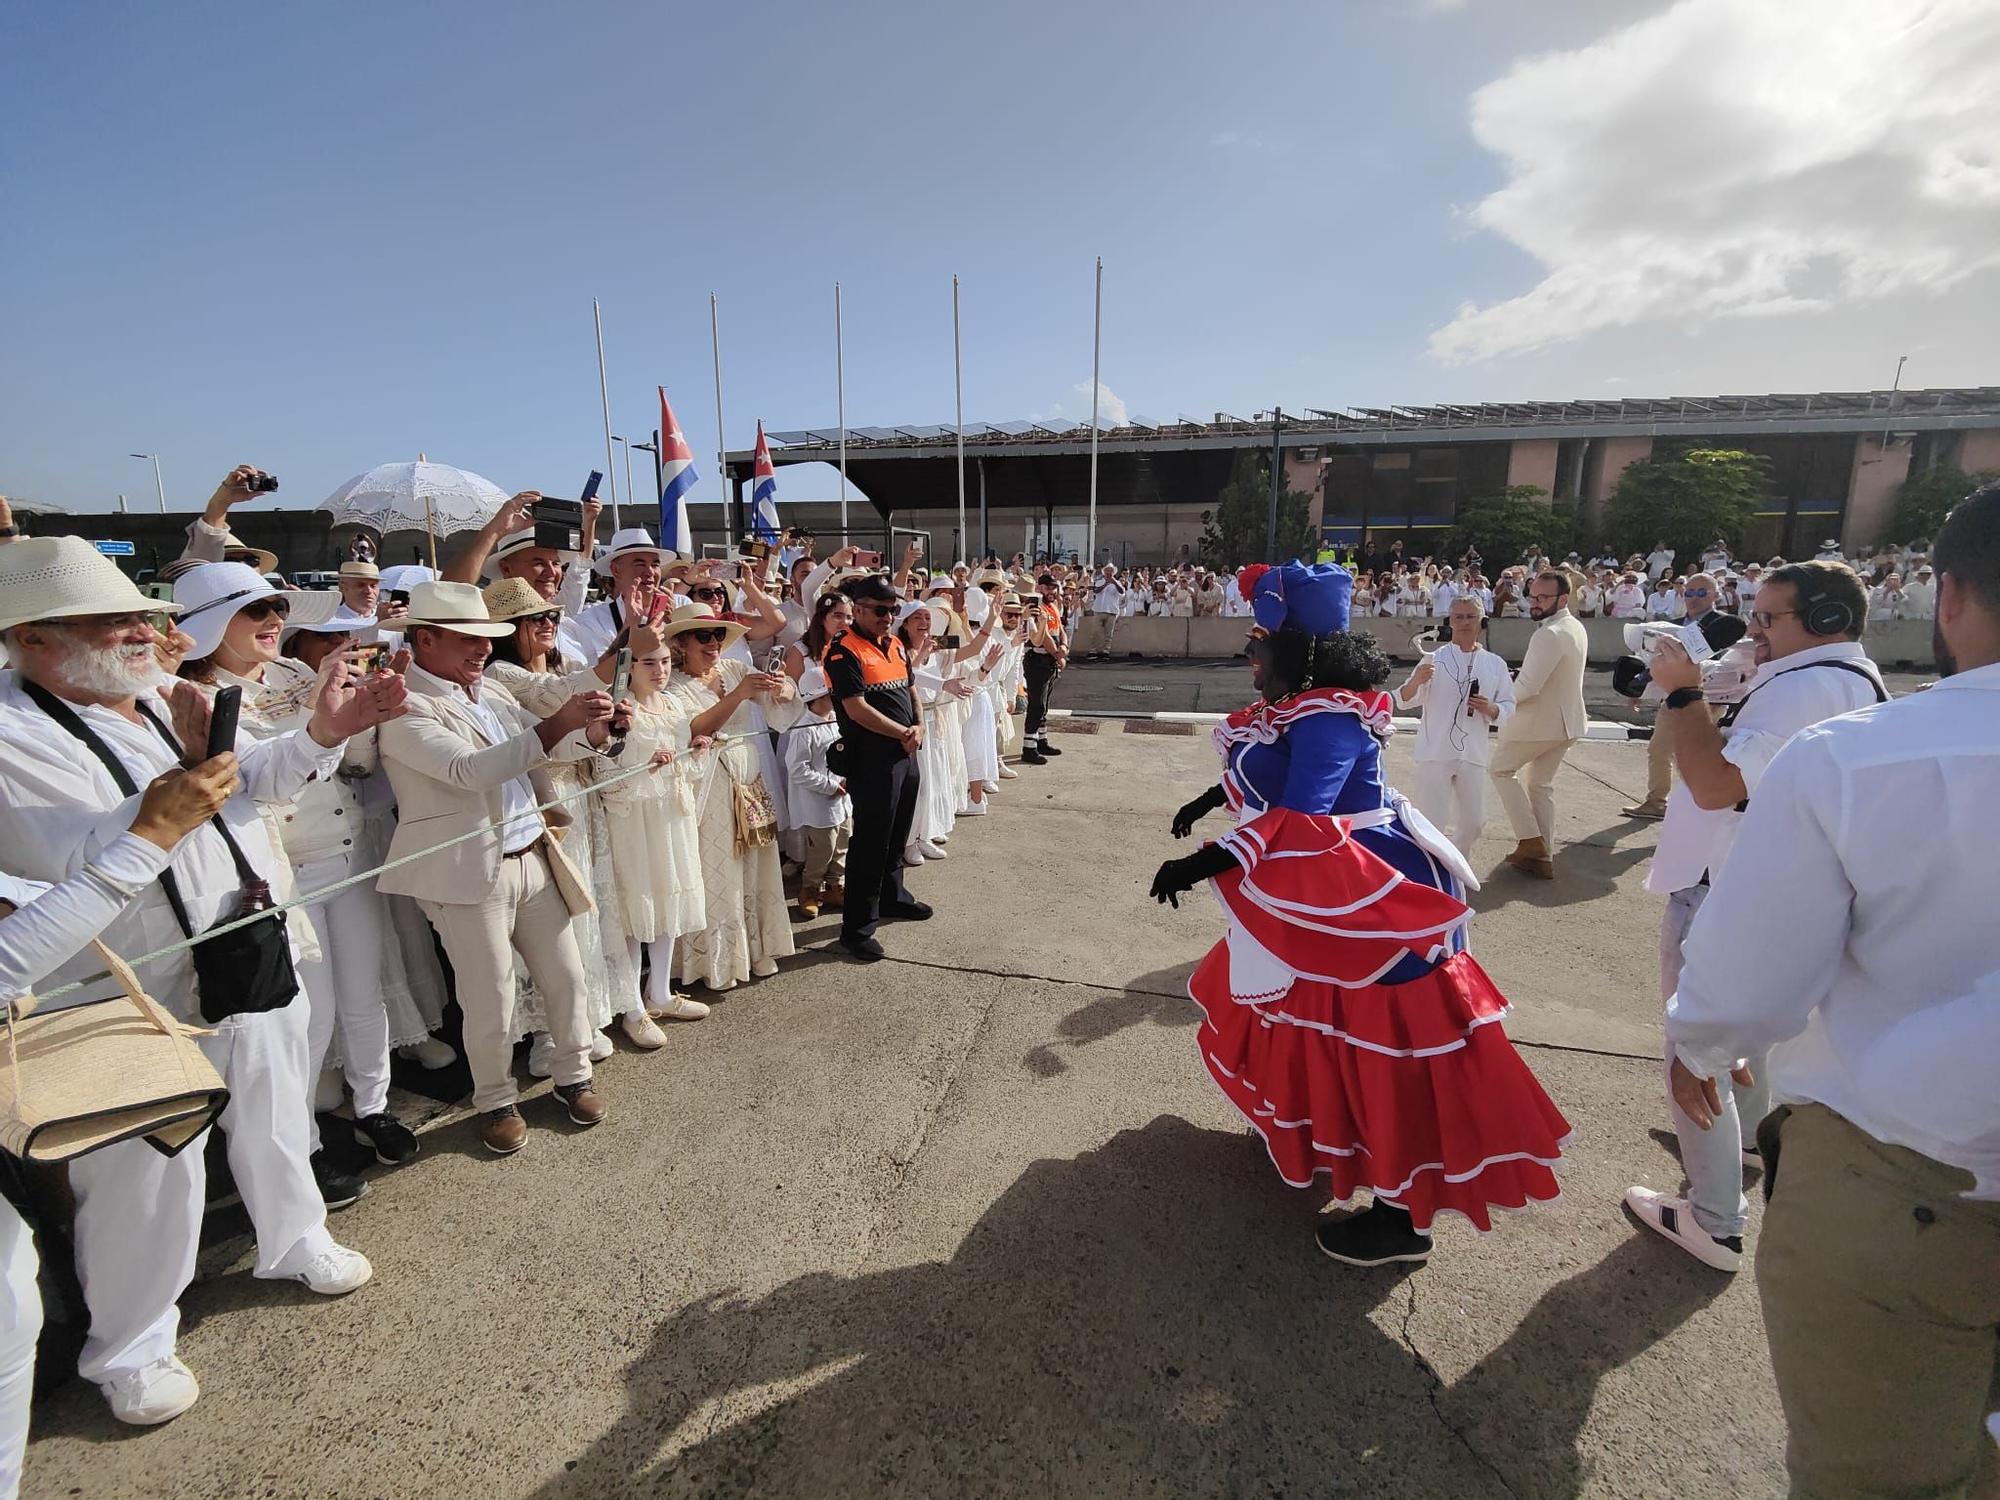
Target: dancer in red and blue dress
[[1344, 1017]]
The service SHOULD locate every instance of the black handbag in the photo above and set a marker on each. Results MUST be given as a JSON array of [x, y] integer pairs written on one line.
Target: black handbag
[[240, 973]]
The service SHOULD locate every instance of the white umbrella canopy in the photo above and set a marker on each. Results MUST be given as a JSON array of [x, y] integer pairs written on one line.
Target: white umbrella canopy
[[391, 497]]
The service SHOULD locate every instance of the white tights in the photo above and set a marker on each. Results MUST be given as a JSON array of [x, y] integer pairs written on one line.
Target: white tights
[[660, 981]]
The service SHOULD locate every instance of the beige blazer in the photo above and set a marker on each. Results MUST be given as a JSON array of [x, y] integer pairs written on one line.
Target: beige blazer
[[448, 774], [1548, 690]]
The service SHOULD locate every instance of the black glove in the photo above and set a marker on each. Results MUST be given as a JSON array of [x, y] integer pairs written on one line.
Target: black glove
[[1178, 875], [1195, 811]]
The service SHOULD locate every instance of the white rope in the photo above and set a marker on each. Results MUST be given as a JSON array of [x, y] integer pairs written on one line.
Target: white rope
[[311, 898]]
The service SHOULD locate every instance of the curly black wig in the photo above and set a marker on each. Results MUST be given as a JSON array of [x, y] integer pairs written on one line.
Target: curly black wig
[[1294, 662]]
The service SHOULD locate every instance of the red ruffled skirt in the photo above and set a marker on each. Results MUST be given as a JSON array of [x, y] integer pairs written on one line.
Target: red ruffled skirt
[[1411, 1090]]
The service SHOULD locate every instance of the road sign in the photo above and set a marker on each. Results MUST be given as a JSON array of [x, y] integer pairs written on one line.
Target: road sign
[[115, 549]]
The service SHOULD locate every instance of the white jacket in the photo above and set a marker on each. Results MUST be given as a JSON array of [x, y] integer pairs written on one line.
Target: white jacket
[[818, 797]]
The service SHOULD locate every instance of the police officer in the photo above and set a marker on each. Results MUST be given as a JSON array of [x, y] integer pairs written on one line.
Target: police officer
[[880, 731]]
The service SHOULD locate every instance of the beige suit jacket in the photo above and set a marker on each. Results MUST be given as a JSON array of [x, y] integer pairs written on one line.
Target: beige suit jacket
[[448, 776], [1548, 690]]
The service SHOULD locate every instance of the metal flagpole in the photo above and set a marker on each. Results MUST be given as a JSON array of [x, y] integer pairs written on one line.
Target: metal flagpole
[[604, 396], [840, 404], [1096, 353], [721, 447], [958, 396]]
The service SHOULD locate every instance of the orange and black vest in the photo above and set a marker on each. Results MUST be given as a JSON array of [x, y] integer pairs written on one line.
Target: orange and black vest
[[857, 667]]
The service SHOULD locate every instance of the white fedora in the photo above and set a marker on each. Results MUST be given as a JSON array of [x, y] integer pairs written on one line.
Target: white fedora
[[457, 607], [514, 546], [631, 542], [213, 594], [359, 567], [65, 578]]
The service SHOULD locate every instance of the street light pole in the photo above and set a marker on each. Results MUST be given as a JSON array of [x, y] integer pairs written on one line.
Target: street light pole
[[629, 491], [157, 483]]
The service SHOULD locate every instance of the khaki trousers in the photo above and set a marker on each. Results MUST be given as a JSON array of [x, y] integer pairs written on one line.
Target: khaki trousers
[[1660, 756], [1881, 1289], [524, 911], [1531, 810], [826, 856]]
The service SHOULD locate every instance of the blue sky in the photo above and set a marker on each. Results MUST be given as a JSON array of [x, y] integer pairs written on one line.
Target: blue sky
[[321, 238]]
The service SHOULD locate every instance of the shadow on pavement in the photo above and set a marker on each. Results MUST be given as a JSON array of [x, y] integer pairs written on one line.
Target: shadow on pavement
[[1585, 872], [1147, 1317], [1159, 999]]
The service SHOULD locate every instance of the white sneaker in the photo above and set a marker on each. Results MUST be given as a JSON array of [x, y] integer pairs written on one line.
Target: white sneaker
[[911, 859], [989, 786], [929, 849], [1008, 773], [1674, 1220], [641, 1032], [335, 1272], [600, 1046], [763, 968], [680, 1008], [429, 1053], [157, 1393], [542, 1055], [973, 810]]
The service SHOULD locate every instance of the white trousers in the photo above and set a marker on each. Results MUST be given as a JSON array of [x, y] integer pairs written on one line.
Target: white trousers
[[343, 987], [138, 1226], [1452, 794], [523, 911], [20, 1326]]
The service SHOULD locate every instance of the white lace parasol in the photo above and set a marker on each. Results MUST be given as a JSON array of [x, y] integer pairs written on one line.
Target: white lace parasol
[[391, 497]]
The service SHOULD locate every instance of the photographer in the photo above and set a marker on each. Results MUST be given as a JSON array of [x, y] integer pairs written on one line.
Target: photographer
[[1810, 666], [209, 536], [1721, 632]]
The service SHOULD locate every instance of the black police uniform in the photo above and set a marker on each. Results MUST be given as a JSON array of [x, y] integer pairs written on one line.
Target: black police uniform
[[882, 777]]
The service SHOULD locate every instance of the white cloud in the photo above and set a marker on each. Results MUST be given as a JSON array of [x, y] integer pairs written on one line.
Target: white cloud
[[1740, 158], [1075, 407]]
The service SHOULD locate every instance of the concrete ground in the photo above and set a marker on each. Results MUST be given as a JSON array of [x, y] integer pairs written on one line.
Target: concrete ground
[[975, 1222]]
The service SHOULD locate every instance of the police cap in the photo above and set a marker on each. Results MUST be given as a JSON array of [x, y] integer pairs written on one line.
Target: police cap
[[874, 587]]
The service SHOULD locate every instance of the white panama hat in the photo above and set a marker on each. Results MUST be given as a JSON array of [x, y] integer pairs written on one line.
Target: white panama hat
[[813, 683], [213, 594], [629, 543], [66, 578], [457, 607], [342, 621], [514, 546]]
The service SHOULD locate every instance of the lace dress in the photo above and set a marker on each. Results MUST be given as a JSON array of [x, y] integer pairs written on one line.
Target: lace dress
[[654, 846]]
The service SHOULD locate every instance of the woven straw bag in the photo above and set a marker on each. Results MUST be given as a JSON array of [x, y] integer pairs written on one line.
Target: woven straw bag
[[80, 1079]]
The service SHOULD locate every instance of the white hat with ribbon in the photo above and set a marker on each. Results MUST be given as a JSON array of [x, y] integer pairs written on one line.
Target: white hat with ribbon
[[212, 595], [633, 541]]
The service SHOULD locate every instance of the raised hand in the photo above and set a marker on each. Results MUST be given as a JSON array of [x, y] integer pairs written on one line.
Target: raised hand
[[348, 705], [178, 802], [188, 707]]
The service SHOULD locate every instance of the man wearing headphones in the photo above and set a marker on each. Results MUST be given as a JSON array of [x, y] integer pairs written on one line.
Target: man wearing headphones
[[1810, 666]]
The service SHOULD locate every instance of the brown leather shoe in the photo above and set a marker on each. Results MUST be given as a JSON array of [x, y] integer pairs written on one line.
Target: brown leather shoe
[[585, 1108], [809, 901], [1531, 857], [503, 1131], [1650, 810], [833, 895]]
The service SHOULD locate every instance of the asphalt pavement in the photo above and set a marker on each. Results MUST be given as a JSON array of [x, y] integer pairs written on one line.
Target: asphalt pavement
[[975, 1222]]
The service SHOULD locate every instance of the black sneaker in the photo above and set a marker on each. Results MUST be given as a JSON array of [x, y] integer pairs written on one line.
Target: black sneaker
[[864, 948], [337, 1189], [907, 911], [1033, 757], [1380, 1236], [1047, 749], [394, 1142]]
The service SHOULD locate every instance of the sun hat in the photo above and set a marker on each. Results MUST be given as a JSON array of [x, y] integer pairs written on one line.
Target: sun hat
[[213, 594], [986, 577], [514, 546], [65, 578], [405, 576], [358, 567], [513, 598], [631, 542], [342, 621], [688, 617], [234, 549], [813, 683], [457, 607]]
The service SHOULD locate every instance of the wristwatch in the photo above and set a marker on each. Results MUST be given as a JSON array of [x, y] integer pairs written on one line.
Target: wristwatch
[[1685, 697]]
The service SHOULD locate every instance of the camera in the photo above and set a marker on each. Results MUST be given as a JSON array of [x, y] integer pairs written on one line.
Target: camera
[[1631, 675], [261, 484]]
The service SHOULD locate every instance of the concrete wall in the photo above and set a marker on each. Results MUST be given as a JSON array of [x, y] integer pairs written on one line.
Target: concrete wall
[[1871, 490], [1609, 458], [1979, 450], [1532, 461]]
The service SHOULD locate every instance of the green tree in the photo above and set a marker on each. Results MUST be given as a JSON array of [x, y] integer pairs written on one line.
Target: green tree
[[1505, 527], [1689, 499], [1923, 500], [1234, 531]]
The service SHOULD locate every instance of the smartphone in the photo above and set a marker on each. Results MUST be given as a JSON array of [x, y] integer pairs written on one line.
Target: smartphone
[[775, 662], [590, 488], [222, 716], [376, 657], [867, 559], [399, 596], [621, 675]]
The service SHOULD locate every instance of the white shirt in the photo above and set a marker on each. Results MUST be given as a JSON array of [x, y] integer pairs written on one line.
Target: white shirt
[[1664, 604], [1659, 563], [1107, 599], [523, 825], [52, 923], [589, 633], [1887, 942], [1920, 599], [1695, 840], [1885, 603], [1442, 597], [1234, 605], [1628, 601], [1446, 732]]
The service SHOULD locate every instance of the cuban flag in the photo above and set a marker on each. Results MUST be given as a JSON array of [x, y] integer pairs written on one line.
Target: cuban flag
[[764, 494], [677, 477]]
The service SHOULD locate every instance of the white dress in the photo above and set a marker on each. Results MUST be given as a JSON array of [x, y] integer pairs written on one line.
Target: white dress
[[773, 769], [942, 756], [982, 729], [744, 894], [655, 851]]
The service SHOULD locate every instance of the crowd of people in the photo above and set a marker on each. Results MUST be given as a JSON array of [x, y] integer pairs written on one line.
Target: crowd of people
[[567, 787]]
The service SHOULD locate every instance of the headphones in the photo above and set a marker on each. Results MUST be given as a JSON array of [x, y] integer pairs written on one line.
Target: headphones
[[1822, 614]]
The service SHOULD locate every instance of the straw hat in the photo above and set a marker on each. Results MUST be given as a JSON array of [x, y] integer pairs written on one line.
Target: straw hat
[[234, 549], [989, 576], [65, 578], [213, 594], [458, 607], [357, 567], [633, 541], [515, 545], [513, 598], [688, 617]]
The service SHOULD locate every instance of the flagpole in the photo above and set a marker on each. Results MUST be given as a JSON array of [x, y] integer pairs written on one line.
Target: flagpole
[[840, 404], [1096, 385], [604, 397], [721, 447], [958, 395]]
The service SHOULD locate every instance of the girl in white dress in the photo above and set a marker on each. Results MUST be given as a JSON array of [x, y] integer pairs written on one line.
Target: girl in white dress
[[748, 927], [941, 696]]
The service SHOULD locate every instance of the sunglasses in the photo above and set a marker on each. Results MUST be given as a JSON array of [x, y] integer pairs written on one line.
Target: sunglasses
[[160, 622], [265, 609], [544, 617], [707, 594], [705, 637], [877, 609]]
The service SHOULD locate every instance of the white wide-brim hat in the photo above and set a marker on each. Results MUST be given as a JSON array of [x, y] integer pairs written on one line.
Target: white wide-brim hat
[[813, 683], [457, 607], [630, 542], [514, 546], [686, 617], [342, 621], [65, 578], [212, 595], [405, 576]]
